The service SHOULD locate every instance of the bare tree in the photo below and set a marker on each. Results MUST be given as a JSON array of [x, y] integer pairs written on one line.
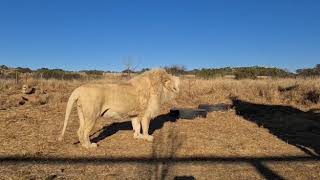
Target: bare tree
[[176, 69], [129, 66]]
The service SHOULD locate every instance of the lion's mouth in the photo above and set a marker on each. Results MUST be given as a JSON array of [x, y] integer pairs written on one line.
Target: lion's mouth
[[175, 89]]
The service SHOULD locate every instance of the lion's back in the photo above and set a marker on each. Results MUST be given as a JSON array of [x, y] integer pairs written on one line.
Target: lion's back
[[120, 97]]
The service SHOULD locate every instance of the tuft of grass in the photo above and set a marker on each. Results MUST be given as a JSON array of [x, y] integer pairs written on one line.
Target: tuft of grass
[[313, 96], [298, 92]]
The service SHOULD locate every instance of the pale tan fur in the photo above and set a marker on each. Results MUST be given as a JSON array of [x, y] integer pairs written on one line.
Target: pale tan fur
[[139, 98]]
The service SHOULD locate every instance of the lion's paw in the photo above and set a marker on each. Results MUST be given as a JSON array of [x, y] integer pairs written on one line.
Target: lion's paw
[[91, 146], [148, 138], [138, 136]]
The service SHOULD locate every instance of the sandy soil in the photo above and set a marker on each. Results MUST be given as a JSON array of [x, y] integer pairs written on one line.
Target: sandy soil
[[251, 141]]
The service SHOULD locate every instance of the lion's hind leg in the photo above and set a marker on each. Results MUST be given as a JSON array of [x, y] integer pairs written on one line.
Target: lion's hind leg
[[86, 133], [81, 122], [136, 125], [87, 123]]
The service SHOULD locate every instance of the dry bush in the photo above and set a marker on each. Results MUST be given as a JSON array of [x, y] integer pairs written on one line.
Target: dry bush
[[300, 92], [306, 92], [9, 86], [31, 131]]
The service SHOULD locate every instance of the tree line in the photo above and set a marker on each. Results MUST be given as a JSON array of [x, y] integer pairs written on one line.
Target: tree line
[[246, 72], [243, 72], [309, 72], [238, 72], [45, 73]]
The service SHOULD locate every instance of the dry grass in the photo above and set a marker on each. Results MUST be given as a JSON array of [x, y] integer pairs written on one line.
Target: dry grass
[[305, 92], [243, 143], [259, 91]]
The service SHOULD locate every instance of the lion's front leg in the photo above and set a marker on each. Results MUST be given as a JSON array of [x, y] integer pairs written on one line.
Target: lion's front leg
[[136, 127], [145, 128]]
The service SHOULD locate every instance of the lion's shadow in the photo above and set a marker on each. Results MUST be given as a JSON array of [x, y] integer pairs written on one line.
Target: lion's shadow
[[109, 130], [296, 127]]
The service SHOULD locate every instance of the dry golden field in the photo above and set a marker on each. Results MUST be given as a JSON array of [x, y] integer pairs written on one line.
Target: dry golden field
[[272, 132]]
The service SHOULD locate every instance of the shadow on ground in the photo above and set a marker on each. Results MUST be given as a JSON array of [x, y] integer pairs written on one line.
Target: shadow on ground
[[257, 162], [291, 125], [156, 123]]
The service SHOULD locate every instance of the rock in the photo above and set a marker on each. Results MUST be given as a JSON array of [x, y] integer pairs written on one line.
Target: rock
[[51, 177], [28, 90]]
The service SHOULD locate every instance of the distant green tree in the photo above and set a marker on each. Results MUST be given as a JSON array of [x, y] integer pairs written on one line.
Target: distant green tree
[[128, 71], [308, 72], [245, 74], [144, 70], [176, 69], [56, 74], [242, 72], [23, 70], [4, 67], [93, 72]]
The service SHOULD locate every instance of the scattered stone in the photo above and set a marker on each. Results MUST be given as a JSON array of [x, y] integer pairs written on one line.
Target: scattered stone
[[22, 102], [51, 177], [28, 90], [43, 99], [24, 98], [33, 95]]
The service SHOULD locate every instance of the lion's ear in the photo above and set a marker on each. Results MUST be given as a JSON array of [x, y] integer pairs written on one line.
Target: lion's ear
[[165, 79], [168, 84]]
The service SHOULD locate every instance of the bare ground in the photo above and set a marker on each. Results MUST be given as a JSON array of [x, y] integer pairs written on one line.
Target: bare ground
[[251, 141]]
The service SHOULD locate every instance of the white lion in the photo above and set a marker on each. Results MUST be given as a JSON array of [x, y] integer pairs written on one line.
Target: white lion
[[139, 98]]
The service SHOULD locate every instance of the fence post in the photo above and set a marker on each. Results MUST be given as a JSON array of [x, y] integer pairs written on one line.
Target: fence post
[[26, 74], [17, 80]]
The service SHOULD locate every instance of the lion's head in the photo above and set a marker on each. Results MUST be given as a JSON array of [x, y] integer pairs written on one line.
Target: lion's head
[[157, 83], [171, 87]]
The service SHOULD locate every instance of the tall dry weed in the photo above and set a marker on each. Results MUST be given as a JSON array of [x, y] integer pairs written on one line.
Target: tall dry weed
[[298, 92], [305, 92]]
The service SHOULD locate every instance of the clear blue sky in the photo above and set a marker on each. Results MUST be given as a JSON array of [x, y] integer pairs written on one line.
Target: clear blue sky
[[100, 34]]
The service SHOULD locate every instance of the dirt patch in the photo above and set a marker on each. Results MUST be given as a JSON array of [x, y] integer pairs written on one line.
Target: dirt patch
[[253, 141]]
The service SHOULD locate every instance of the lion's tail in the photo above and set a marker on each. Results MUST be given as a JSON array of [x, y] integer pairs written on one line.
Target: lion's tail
[[73, 98]]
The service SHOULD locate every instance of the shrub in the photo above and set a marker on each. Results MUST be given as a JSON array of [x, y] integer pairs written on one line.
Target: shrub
[[176, 69], [312, 96], [309, 72], [244, 74], [93, 72], [56, 74], [4, 67]]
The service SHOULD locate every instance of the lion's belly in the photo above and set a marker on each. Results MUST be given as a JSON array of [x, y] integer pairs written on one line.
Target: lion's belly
[[120, 114], [121, 106], [113, 114]]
